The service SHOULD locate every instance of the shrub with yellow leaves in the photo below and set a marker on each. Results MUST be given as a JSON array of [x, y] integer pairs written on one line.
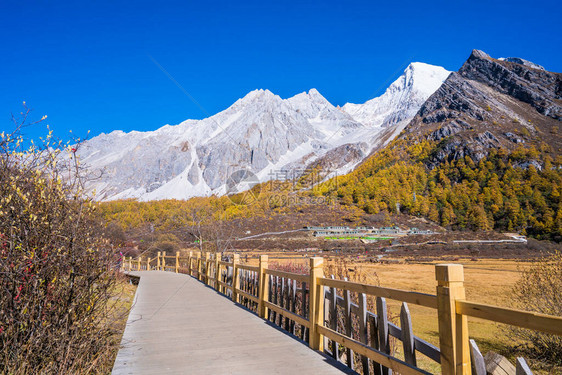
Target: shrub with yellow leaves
[[56, 270]]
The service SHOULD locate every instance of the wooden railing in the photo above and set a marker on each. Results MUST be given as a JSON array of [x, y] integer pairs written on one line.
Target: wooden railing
[[310, 307]]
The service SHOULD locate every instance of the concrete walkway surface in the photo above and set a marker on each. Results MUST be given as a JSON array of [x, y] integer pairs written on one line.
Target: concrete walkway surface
[[177, 325]]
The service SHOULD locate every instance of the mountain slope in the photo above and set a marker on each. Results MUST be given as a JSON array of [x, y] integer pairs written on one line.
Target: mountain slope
[[261, 133]]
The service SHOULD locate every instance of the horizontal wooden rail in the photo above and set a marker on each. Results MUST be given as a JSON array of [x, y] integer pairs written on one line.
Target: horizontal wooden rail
[[248, 268], [422, 299], [422, 346], [247, 295], [375, 355], [223, 263], [287, 314], [290, 275], [222, 283], [519, 318]]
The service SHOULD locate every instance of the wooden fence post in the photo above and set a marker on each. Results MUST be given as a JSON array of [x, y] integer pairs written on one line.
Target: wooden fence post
[[130, 264], [203, 266], [148, 263], [198, 265], [263, 286], [235, 284], [316, 304], [158, 261], [177, 261], [207, 266], [139, 260], [163, 261], [453, 328], [189, 259], [217, 271]]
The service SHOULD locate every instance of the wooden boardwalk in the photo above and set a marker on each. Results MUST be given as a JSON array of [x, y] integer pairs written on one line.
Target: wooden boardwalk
[[178, 325]]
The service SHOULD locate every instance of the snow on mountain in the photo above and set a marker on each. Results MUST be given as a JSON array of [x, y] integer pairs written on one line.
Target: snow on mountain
[[402, 99], [521, 61], [384, 117], [260, 132]]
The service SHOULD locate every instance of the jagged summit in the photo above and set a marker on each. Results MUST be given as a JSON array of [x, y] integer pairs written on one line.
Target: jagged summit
[[258, 95], [478, 54], [311, 95], [316, 96]]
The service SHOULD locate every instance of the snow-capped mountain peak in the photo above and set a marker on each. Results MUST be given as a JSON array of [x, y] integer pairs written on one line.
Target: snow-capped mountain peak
[[311, 104], [316, 96], [402, 99], [256, 96], [260, 132], [424, 78]]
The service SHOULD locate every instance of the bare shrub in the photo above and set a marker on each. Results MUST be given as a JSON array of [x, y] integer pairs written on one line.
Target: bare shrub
[[290, 266], [56, 271], [540, 289]]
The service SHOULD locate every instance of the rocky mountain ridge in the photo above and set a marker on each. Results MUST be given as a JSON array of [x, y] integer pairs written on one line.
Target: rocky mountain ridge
[[491, 103]]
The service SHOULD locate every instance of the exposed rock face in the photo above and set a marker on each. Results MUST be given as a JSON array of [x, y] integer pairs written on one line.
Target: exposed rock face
[[527, 164], [453, 127], [513, 138], [342, 159], [537, 87], [488, 104]]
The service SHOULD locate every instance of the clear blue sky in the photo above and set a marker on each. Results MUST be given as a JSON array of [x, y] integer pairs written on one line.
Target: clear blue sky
[[88, 66]]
